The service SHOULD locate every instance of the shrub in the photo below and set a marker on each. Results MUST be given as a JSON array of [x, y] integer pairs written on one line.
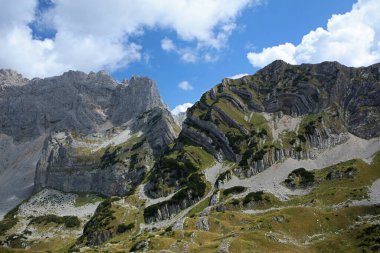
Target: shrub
[[254, 196], [300, 177], [122, 228], [235, 202], [234, 190], [71, 221], [310, 128], [301, 137]]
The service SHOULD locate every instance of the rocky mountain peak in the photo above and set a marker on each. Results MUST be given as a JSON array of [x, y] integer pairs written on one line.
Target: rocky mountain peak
[[73, 101], [10, 77], [277, 66]]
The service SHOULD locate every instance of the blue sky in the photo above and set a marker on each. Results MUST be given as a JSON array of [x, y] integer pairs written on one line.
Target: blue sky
[[273, 23], [193, 43]]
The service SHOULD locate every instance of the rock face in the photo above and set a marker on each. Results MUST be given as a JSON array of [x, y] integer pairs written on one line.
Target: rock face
[[344, 99], [9, 77], [93, 164], [74, 101], [17, 168], [64, 125], [311, 88]]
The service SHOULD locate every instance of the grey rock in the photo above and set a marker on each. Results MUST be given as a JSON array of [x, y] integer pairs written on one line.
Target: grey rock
[[61, 168], [202, 224], [180, 118], [73, 101], [39, 118], [215, 198], [140, 246], [98, 237], [9, 77]]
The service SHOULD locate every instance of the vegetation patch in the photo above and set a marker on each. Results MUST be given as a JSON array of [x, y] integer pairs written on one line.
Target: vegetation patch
[[300, 178], [100, 222], [86, 198], [308, 125], [370, 238], [68, 221], [259, 200], [9, 221], [234, 190], [349, 172], [16, 241], [122, 228], [109, 157], [184, 198]]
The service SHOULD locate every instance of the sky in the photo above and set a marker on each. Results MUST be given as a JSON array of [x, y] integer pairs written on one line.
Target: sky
[[187, 46]]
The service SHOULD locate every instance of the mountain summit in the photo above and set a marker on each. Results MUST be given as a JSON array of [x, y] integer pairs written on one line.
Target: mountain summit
[[56, 124]]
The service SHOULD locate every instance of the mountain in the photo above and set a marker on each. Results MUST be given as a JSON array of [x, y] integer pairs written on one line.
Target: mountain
[[283, 111], [83, 132], [285, 160]]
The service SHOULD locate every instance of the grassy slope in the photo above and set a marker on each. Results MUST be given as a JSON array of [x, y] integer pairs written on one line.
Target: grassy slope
[[303, 224], [308, 223]]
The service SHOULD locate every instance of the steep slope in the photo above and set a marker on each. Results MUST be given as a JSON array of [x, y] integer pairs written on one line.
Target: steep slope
[[286, 160], [112, 162], [338, 212], [283, 111], [74, 101], [56, 124]]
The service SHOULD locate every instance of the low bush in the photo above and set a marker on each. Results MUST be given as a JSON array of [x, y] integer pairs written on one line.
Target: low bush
[[69, 221], [234, 190], [300, 178], [122, 228]]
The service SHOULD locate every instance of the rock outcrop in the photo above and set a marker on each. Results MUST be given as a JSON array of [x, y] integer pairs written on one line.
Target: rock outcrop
[[92, 163]]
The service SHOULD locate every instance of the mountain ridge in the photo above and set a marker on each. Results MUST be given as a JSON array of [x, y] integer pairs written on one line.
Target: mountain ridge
[[256, 159]]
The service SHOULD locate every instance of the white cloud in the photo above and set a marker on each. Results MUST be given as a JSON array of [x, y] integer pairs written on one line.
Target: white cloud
[[238, 76], [168, 45], [352, 38], [97, 34], [208, 57], [186, 54], [181, 108], [185, 85], [268, 55]]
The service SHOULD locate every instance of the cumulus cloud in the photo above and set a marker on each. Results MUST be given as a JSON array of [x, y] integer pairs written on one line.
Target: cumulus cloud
[[96, 34], [237, 76], [181, 108], [168, 45], [352, 38], [185, 85], [284, 52], [186, 54]]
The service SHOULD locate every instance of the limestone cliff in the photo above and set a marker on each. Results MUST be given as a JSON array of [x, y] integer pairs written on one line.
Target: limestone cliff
[[74, 101], [56, 123], [111, 162]]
